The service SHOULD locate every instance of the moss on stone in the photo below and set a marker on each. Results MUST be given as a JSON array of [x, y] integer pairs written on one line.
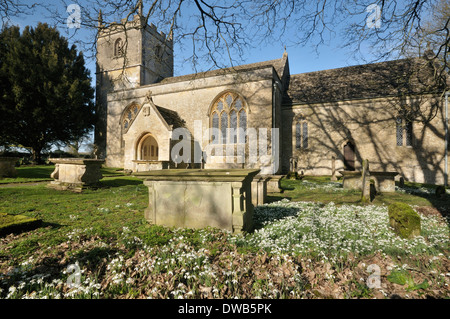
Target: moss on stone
[[404, 220], [16, 223]]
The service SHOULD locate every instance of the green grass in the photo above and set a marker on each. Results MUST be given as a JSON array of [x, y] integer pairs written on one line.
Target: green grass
[[103, 230], [40, 173], [300, 190], [89, 209]]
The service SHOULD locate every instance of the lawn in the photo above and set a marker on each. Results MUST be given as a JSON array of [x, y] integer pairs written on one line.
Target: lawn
[[41, 173], [314, 240]]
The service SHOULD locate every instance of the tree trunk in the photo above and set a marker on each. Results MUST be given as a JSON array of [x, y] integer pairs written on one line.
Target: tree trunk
[[37, 157]]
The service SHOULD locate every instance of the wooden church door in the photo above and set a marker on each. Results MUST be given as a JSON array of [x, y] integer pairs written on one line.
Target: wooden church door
[[349, 156]]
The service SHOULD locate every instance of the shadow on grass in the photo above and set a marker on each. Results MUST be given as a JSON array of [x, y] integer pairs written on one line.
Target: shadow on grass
[[261, 217], [19, 228], [441, 205], [35, 172], [119, 182], [95, 255]]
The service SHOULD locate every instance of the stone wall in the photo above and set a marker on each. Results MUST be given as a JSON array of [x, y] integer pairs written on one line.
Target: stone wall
[[371, 126], [192, 100]]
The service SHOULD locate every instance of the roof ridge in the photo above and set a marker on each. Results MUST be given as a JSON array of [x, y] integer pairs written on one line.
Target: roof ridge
[[358, 65], [224, 70]]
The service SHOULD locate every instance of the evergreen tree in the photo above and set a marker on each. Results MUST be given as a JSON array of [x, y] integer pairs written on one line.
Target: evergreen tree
[[45, 89]]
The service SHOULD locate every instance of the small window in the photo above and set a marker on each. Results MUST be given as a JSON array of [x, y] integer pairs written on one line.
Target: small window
[[408, 134], [404, 132], [158, 52], [118, 48], [305, 135], [399, 128], [301, 134]]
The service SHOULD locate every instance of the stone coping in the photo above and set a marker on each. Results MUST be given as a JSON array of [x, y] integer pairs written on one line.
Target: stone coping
[[393, 174], [372, 173], [149, 161], [198, 174], [78, 161]]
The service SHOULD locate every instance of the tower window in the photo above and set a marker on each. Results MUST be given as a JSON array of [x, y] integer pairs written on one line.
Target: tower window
[[118, 48], [158, 52]]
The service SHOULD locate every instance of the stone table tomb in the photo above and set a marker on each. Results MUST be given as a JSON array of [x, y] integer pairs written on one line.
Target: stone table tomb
[[196, 198], [75, 173]]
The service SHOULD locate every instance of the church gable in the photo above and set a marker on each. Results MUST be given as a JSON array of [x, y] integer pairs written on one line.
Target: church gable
[[149, 134]]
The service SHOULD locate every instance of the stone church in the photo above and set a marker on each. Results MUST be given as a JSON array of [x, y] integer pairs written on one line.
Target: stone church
[[319, 123]]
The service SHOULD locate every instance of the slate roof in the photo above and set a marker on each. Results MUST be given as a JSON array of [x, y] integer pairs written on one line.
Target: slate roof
[[171, 117], [278, 64], [391, 78]]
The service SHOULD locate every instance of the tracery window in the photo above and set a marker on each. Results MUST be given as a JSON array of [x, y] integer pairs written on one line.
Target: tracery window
[[128, 116], [229, 117]]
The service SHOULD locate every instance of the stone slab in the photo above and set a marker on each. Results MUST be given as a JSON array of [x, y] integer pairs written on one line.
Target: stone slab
[[384, 181], [194, 198]]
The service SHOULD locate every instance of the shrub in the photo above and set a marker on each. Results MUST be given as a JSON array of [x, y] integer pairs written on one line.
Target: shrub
[[404, 220]]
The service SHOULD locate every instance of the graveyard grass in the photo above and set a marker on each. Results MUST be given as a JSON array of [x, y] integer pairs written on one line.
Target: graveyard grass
[[314, 240]]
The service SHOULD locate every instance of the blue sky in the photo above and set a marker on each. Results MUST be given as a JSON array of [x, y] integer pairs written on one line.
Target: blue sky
[[301, 58]]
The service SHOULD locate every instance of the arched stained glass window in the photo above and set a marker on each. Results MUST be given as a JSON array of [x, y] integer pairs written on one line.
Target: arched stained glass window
[[215, 126], [233, 126], [233, 115], [224, 126], [128, 116], [243, 126]]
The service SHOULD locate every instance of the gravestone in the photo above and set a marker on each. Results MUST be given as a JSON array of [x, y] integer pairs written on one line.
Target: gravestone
[[75, 173], [384, 182], [333, 169], [274, 183], [259, 190], [8, 166], [365, 182]]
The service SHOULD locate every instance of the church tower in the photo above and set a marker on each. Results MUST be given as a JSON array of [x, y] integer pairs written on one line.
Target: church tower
[[130, 54]]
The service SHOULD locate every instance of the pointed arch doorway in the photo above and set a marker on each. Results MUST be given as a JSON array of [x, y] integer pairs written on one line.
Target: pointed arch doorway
[[148, 149], [349, 156]]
